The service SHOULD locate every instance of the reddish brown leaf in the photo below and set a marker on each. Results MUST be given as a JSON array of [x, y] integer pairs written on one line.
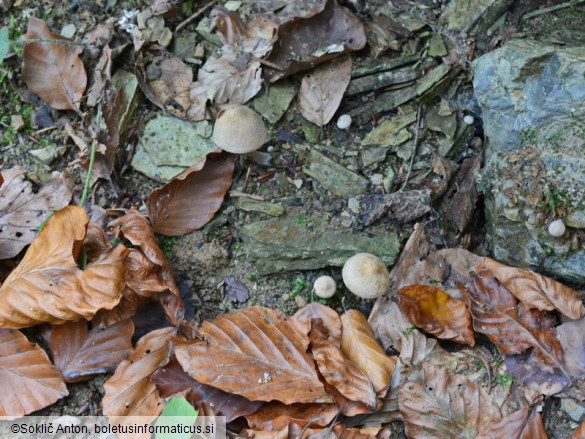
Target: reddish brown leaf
[[276, 415], [314, 312], [436, 404], [306, 42], [53, 71], [28, 380], [537, 291], [129, 391], [322, 90], [22, 211], [522, 424], [258, 353], [359, 344], [410, 267], [172, 380], [580, 432], [79, 353], [48, 287], [190, 200], [434, 311]]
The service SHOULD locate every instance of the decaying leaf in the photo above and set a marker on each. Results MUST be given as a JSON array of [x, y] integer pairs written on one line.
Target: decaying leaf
[[258, 353], [48, 287], [522, 424], [359, 344], [22, 211], [53, 70], [306, 42], [410, 267], [236, 291], [436, 404], [129, 391], [276, 415], [314, 312], [28, 380], [401, 207], [172, 380], [389, 322], [80, 353], [570, 334], [435, 312], [580, 432], [190, 200], [537, 291], [322, 90]]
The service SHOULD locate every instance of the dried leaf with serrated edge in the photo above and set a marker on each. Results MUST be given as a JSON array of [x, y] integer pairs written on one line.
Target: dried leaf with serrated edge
[[21, 211], [358, 343], [535, 290], [129, 391], [190, 200], [276, 415], [436, 404], [48, 287], [28, 380], [322, 90], [80, 353], [258, 353], [53, 70], [522, 424], [172, 380], [434, 311], [313, 312]]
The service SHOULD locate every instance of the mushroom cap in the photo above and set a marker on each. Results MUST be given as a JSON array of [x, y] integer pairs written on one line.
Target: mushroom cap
[[239, 130], [366, 276], [325, 287], [556, 228]]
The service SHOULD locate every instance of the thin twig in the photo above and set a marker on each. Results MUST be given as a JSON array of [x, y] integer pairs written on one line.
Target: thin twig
[[551, 9], [195, 15], [243, 195], [415, 147], [89, 172]]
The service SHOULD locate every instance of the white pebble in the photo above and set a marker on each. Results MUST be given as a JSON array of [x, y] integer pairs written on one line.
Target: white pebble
[[556, 228], [468, 120], [344, 122]]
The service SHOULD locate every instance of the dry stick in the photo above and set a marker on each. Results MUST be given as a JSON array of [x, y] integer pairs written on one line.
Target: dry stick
[[550, 9], [195, 15], [414, 148]]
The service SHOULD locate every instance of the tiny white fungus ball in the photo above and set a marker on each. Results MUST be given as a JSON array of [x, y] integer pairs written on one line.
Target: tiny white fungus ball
[[468, 120], [556, 228], [366, 276], [325, 287], [344, 122]]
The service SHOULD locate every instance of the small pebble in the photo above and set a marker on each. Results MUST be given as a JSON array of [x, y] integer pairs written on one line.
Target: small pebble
[[468, 120], [344, 122], [298, 183], [556, 228], [376, 179], [68, 31], [17, 122], [300, 301]]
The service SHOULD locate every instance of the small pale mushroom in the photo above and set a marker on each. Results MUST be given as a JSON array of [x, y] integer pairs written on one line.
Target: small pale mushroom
[[556, 228], [325, 287], [366, 276], [239, 130], [344, 122]]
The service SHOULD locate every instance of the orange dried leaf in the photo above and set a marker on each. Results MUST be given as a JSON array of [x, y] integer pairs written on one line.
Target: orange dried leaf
[[276, 415], [129, 392], [80, 353], [434, 403], [190, 200], [537, 291], [434, 311], [28, 380], [522, 424], [53, 71], [359, 344], [314, 312], [48, 287], [580, 432], [258, 353]]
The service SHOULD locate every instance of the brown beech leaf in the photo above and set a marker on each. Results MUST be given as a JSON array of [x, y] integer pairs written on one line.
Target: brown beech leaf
[[276, 415], [359, 344], [322, 90], [258, 353], [28, 380], [48, 287], [389, 322], [149, 278], [522, 424], [173, 85], [537, 291], [53, 71], [172, 380], [570, 334], [22, 211], [190, 200], [434, 311], [80, 353], [580, 432], [129, 391], [435, 404], [310, 314], [305, 42], [410, 267]]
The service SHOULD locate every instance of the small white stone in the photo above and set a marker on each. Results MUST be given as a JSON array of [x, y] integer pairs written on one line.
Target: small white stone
[[298, 183], [468, 120], [344, 122], [376, 179], [556, 228], [354, 205], [68, 31]]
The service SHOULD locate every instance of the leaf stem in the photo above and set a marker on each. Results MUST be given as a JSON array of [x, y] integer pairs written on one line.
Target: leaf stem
[[89, 172]]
